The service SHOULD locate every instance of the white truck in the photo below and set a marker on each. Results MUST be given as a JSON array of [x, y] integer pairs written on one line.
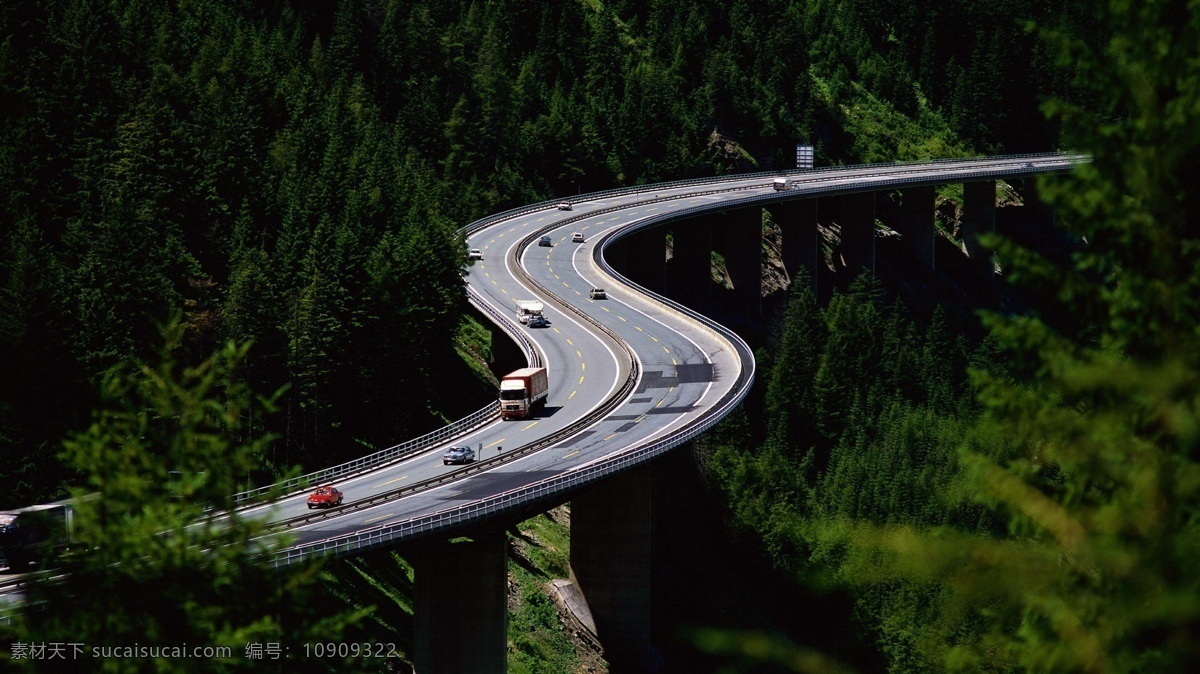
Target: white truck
[[527, 308], [784, 184], [523, 391]]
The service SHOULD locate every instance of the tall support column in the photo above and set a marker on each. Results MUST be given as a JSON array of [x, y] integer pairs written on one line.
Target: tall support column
[[690, 269], [646, 257], [856, 217], [914, 218], [1032, 225], [979, 217], [617, 256], [737, 236], [797, 221], [461, 606], [611, 564]]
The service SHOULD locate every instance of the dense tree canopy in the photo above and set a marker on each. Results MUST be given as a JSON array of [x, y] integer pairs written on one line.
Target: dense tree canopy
[[280, 169], [1041, 517]]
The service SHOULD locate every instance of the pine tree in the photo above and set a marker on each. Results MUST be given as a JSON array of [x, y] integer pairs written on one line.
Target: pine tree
[[791, 407], [159, 560]]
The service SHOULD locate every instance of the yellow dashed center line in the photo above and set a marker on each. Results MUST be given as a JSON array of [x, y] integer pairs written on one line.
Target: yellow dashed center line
[[639, 329], [578, 354], [581, 380], [583, 366], [666, 349], [661, 402], [504, 291], [622, 318], [556, 330], [376, 519], [384, 484], [611, 437], [652, 337], [572, 395], [567, 456], [568, 340], [531, 425], [674, 362], [495, 443]]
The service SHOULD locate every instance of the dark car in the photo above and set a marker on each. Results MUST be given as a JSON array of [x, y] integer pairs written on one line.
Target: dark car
[[324, 497], [458, 455], [538, 321], [544, 241]]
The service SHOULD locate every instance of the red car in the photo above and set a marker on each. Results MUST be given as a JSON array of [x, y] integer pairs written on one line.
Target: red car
[[324, 497]]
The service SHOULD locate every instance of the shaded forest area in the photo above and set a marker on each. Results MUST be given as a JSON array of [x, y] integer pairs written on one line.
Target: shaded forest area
[[293, 172], [1028, 504]]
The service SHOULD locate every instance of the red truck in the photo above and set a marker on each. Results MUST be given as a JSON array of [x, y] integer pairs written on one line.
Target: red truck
[[522, 391]]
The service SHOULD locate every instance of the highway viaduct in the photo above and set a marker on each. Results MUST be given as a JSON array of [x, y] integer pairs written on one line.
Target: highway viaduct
[[632, 377], [461, 587]]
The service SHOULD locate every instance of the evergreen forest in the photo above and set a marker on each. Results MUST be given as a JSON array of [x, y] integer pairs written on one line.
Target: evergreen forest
[[290, 176], [293, 173]]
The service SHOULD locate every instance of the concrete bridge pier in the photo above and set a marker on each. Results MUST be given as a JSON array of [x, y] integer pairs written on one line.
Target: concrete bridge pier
[[979, 217], [611, 534], [737, 237], [797, 221], [913, 216], [1033, 225], [855, 216], [616, 254], [646, 258], [460, 607], [690, 269]]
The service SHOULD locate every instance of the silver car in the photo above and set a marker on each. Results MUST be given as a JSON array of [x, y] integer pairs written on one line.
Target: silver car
[[458, 455]]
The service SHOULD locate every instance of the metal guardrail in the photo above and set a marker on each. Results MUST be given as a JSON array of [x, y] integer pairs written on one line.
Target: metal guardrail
[[523, 342], [377, 459]]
